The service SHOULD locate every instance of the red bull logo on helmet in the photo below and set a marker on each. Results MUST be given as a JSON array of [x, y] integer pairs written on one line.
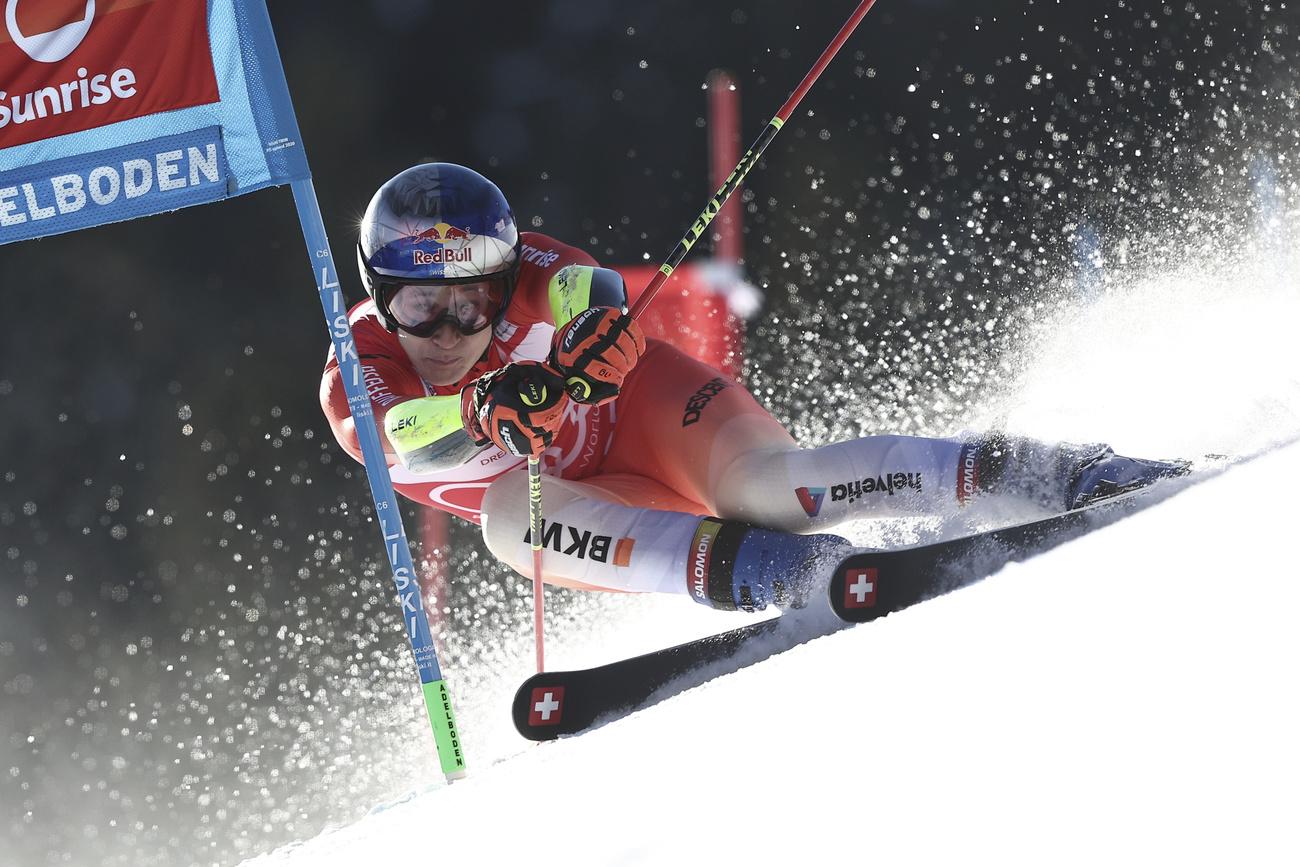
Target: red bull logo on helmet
[[442, 233], [453, 245], [441, 257]]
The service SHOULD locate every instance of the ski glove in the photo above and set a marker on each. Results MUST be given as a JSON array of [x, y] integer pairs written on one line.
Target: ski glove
[[517, 408], [595, 352]]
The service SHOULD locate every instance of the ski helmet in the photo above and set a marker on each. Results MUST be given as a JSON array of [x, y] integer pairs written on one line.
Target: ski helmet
[[440, 225]]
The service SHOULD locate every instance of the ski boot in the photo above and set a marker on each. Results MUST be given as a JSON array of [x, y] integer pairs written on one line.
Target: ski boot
[[1058, 477], [1104, 474], [735, 566]]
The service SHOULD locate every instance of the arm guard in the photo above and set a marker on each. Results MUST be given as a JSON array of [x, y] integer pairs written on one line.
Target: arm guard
[[427, 435], [576, 288]]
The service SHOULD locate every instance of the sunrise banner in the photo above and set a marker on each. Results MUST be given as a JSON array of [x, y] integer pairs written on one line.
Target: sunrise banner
[[116, 109]]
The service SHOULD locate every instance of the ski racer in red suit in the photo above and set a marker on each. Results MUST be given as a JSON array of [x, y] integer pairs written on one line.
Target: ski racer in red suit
[[481, 345]]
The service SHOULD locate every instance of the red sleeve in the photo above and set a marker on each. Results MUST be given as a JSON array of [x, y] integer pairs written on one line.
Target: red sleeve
[[389, 381], [542, 257]]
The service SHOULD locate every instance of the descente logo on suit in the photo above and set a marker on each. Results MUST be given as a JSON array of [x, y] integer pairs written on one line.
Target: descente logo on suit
[[701, 398]]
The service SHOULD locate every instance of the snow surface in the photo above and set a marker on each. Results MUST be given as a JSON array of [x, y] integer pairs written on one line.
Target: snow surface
[[1127, 698]]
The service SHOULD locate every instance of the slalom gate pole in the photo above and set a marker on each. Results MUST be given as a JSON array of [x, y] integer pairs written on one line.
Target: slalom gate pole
[[535, 521], [748, 161], [437, 701]]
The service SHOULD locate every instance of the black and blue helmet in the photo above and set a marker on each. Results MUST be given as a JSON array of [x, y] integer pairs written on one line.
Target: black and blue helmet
[[437, 224]]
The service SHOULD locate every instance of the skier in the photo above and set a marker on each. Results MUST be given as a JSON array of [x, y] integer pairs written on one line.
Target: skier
[[482, 345]]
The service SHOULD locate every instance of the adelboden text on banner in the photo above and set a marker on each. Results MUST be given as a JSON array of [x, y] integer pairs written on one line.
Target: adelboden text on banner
[[115, 109]]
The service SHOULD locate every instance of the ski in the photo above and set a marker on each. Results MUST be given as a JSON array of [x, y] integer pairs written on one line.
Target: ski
[[864, 586], [871, 584], [555, 703]]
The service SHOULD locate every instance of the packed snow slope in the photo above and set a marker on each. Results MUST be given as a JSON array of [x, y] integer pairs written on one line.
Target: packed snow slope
[[1127, 698]]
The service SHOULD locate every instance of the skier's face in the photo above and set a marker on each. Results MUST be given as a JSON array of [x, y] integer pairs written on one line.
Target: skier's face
[[444, 357]]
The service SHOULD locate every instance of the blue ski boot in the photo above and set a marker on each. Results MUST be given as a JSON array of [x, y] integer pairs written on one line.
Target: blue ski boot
[[1057, 476], [1104, 474], [734, 566]]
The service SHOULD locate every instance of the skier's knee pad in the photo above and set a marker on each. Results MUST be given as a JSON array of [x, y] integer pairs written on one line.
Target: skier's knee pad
[[761, 488], [507, 519]]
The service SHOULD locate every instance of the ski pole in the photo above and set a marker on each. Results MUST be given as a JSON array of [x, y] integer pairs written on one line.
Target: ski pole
[[734, 180], [748, 161], [535, 520]]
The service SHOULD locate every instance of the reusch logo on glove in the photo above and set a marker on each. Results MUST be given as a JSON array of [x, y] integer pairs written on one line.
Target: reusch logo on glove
[[575, 333], [72, 65], [509, 440]]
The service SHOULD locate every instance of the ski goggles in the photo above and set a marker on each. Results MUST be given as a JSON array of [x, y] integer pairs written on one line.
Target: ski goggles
[[421, 308]]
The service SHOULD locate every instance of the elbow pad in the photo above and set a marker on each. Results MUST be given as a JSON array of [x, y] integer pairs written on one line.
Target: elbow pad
[[576, 288], [427, 434]]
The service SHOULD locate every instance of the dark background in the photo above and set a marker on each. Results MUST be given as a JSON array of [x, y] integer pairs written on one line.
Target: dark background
[[198, 655]]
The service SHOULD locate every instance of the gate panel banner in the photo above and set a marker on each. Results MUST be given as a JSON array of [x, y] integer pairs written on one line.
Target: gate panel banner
[[115, 109]]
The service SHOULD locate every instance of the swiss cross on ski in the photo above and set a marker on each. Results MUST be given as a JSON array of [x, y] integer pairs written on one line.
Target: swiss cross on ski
[[547, 706], [860, 588]]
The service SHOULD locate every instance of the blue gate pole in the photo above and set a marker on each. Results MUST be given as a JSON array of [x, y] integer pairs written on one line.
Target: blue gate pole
[[437, 700]]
